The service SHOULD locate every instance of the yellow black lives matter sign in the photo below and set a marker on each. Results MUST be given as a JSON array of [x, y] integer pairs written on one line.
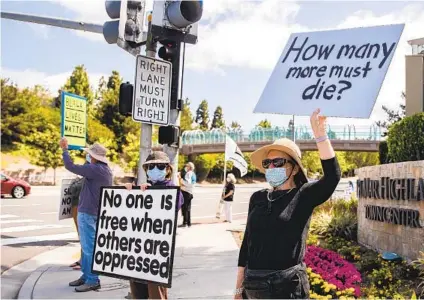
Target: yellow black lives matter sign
[[74, 120]]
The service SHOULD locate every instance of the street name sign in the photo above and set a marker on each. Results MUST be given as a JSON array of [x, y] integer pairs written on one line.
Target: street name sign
[[74, 120], [152, 91]]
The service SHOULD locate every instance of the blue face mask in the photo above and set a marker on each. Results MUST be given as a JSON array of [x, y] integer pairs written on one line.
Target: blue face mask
[[88, 158], [156, 174], [276, 176]]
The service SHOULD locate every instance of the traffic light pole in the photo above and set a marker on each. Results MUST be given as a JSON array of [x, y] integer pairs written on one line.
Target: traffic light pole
[[146, 129], [174, 115]]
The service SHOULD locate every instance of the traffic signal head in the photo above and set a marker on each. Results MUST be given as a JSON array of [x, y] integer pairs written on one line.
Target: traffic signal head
[[177, 20], [169, 135], [168, 51], [126, 98], [127, 28], [184, 13]]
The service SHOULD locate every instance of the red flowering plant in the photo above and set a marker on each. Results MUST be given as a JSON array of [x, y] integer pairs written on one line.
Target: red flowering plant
[[333, 269]]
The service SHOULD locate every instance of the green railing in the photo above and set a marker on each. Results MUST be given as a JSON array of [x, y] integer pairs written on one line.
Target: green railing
[[259, 134]]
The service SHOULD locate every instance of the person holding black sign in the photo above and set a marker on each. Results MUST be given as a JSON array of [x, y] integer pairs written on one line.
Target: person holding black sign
[[271, 258], [159, 173]]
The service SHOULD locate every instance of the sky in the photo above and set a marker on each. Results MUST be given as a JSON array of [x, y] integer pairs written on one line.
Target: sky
[[239, 43]]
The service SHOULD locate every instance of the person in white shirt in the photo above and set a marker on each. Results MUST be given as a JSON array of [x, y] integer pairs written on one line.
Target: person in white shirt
[[188, 180]]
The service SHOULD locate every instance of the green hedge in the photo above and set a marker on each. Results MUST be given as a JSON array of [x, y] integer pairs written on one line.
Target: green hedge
[[406, 139], [383, 152]]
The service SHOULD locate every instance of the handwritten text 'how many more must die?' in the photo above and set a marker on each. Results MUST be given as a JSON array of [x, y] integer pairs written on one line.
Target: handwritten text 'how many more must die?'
[[341, 62]]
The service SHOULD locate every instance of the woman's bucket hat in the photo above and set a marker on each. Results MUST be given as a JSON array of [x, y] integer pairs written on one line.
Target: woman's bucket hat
[[157, 157], [284, 145]]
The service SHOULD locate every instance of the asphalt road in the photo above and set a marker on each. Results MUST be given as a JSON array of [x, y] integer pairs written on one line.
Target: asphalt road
[[30, 226]]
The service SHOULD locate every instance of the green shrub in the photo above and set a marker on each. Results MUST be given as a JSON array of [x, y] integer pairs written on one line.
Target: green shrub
[[344, 225], [383, 151], [406, 139], [203, 164], [419, 263], [336, 217], [320, 222]]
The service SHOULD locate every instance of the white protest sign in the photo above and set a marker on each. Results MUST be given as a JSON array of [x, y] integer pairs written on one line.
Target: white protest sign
[[152, 91], [135, 237], [65, 207], [339, 71]]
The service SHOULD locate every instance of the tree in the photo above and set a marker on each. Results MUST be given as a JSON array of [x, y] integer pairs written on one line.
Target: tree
[[131, 151], [108, 110], [186, 122], [218, 121], [78, 83], [361, 159], [345, 166], [406, 139], [311, 162], [264, 124], [203, 164], [24, 111], [235, 125], [202, 115], [46, 152], [392, 116], [97, 132]]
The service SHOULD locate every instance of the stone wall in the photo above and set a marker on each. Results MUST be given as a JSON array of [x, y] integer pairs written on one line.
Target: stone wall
[[400, 229]]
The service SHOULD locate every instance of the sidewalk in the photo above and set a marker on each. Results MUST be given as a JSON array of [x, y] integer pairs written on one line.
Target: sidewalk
[[205, 266]]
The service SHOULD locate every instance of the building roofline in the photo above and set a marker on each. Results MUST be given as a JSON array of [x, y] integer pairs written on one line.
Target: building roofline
[[419, 41]]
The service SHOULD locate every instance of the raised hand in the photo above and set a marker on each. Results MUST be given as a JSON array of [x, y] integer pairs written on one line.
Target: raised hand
[[318, 124], [63, 143]]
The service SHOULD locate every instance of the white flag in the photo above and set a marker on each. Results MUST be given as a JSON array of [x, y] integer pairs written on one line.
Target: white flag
[[233, 153]]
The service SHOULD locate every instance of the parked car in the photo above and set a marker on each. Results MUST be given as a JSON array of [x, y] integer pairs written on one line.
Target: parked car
[[15, 187]]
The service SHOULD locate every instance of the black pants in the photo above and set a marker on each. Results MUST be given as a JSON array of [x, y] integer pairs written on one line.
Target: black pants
[[291, 283], [186, 208]]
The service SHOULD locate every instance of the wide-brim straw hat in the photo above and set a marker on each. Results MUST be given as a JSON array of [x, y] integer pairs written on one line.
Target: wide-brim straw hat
[[98, 152], [157, 157], [284, 145]]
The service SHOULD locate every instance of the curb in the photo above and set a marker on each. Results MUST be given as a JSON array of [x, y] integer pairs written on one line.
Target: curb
[[27, 289], [24, 276]]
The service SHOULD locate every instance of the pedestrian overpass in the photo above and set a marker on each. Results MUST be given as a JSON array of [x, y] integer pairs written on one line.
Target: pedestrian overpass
[[343, 138]]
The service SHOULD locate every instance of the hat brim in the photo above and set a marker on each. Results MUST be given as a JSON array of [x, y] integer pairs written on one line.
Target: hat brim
[[156, 161], [260, 154], [95, 156]]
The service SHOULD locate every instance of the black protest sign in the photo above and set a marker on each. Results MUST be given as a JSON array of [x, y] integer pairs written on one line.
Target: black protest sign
[[135, 237], [340, 71]]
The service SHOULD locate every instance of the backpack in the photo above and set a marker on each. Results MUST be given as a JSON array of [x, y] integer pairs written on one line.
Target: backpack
[[193, 178]]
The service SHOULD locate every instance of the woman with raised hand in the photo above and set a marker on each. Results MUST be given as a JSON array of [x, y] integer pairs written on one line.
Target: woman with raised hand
[[159, 173], [271, 256]]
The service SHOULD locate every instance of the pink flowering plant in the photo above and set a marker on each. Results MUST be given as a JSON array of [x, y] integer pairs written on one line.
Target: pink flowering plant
[[333, 269]]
